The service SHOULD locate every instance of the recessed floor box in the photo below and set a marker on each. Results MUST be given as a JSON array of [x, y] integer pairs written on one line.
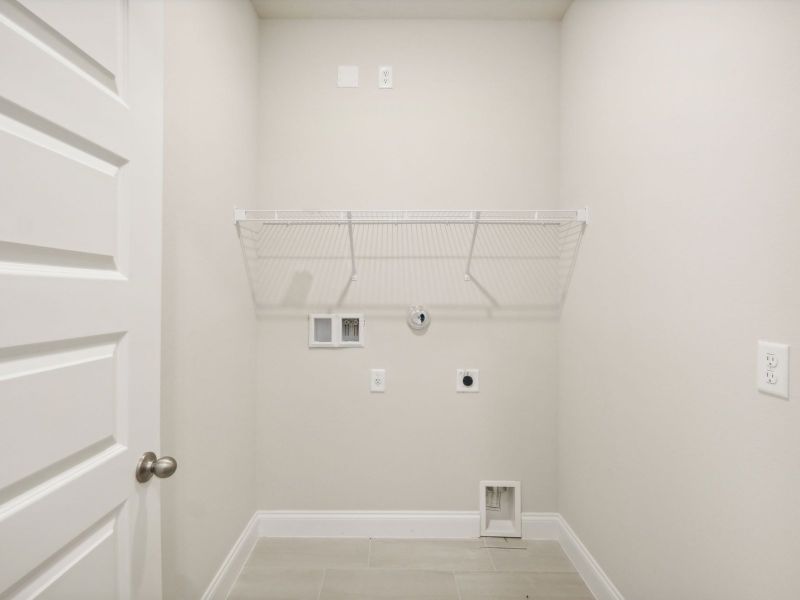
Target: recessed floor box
[[501, 509]]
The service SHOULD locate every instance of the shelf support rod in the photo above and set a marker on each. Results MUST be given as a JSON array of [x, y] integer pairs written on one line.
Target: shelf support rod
[[477, 217], [353, 272]]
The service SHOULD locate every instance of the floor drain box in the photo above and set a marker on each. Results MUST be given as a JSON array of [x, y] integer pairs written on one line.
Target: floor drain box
[[501, 503]]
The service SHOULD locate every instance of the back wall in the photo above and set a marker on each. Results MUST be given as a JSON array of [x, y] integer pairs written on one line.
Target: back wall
[[472, 122]]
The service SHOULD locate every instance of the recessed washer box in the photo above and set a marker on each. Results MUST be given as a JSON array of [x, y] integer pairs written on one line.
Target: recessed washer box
[[351, 330], [501, 508], [336, 330]]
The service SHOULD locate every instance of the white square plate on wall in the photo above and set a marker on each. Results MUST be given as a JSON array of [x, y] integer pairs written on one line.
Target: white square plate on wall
[[347, 76], [321, 331], [468, 381]]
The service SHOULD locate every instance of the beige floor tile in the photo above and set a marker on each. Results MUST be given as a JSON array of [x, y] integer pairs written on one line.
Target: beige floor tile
[[369, 584], [518, 586], [496, 542], [317, 553], [442, 555], [537, 557], [268, 583]]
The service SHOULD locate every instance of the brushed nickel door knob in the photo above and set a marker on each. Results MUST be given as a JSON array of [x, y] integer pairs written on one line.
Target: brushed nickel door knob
[[150, 465]]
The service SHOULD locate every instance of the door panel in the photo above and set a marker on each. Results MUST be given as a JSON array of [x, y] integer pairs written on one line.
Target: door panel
[[96, 34], [89, 36], [64, 575], [60, 393], [89, 116], [48, 517], [80, 224], [90, 558], [39, 212]]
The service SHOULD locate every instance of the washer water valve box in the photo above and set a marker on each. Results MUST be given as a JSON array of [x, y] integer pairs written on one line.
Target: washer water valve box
[[335, 331]]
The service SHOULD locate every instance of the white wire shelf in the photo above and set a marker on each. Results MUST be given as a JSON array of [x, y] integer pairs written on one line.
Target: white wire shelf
[[308, 259], [411, 217]]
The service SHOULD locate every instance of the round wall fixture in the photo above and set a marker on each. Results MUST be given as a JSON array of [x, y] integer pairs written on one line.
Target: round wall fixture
[[418, 318]]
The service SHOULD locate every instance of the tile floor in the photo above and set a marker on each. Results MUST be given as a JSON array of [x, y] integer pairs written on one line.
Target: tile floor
[[355, 568]]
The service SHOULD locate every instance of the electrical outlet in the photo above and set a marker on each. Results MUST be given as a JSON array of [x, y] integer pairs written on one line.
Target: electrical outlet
[[377, 380], [385, 78], [773, 369], [467, 380], [772, 361]]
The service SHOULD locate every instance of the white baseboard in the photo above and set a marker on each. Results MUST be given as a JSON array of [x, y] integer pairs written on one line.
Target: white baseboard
[[226, 576], [593, 575], [402, 524], [395, 524], [375, 524], [541, 526]]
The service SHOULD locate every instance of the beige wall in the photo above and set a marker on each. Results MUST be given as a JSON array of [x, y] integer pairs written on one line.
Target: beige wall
[[472, 122], [208, 389], [681, 130]]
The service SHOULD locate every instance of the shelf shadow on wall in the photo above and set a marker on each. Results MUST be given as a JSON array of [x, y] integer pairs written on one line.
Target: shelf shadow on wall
[[494, 270]]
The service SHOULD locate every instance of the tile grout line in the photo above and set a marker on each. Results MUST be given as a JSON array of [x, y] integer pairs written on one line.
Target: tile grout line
[[491, 560], [458, 589], [369, 553]]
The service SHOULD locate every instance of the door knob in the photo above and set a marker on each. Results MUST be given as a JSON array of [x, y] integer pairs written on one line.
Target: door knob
[[150, 465]]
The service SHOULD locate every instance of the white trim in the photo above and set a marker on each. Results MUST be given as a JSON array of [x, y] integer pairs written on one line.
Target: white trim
[[229, 571], [593, 575], [540, 526], [376, 524], [402, 524]]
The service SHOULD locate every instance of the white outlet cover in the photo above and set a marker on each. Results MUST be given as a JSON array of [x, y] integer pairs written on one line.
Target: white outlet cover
[[772, 375], [471, 389], [385, 80], [347, 76], [377, 380]]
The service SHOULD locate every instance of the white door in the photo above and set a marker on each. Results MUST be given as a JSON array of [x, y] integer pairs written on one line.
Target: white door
[[80, 225]]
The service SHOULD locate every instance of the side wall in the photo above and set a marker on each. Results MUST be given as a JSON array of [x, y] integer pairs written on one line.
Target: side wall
[[208, 332], [472, 122], [681, 130]]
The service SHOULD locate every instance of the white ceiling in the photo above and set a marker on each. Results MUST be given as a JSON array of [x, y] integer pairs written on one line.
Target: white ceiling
[[411, 9]]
